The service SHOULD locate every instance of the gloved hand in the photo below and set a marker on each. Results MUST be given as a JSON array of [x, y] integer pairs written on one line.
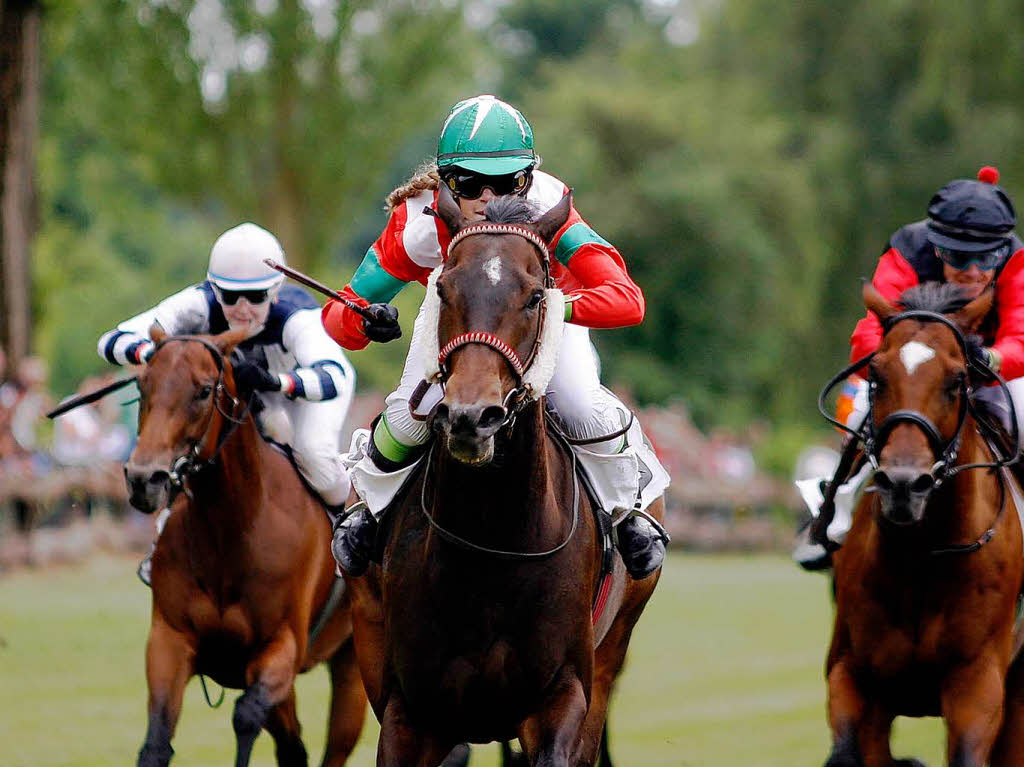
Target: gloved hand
[[251, 377], [144, 352], [384, 326]]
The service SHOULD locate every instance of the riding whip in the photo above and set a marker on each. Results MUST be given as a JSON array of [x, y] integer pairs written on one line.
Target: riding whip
[[309, 282], [85, 399]]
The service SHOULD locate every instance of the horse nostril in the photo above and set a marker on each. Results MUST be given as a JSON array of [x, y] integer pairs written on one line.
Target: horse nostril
[[922, 484], [441, 416], [492, 417], [883, 481]]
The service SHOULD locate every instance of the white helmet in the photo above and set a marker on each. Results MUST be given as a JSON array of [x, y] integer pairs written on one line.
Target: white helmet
[[236, 259]]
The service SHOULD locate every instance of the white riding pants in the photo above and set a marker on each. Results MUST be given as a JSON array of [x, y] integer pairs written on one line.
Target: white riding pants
[[313, 430], [585, 408]]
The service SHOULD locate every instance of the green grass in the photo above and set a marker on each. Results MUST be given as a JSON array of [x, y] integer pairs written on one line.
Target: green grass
[[725, 669]]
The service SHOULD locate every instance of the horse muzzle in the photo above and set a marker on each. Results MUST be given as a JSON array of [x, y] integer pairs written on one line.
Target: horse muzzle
[[468, 430], [149, 486], [903, 492]]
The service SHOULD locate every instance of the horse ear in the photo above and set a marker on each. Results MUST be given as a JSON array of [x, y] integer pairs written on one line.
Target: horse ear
[[876, 303], [448, 210], [157, 333], [547, 226], [971, 316], [229, 339]]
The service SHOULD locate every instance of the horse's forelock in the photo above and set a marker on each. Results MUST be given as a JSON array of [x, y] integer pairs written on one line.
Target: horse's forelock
[[511, 209], [938, 297]]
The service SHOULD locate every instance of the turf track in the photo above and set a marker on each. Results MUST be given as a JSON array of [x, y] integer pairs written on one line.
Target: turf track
[[724, 669]]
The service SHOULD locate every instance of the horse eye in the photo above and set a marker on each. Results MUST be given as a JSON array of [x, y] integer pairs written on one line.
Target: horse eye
[[535, 298], [440, 293], [204, 392]]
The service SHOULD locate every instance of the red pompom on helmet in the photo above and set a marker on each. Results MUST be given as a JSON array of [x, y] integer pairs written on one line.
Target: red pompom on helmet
[[988, 175]]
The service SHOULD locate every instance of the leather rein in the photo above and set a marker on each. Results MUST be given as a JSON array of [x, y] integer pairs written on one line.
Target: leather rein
[[190, 463], [945, 450]]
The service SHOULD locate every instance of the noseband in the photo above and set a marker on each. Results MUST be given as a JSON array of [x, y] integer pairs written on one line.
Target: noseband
[[945, 451], [190, 463]]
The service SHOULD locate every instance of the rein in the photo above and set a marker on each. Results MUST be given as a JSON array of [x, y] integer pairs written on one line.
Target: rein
[[461, 542], [946, 451], [190, 463]]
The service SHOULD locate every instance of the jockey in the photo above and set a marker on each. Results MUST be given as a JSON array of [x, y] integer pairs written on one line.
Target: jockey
[[968, 240], [304, 381], [486, 150]]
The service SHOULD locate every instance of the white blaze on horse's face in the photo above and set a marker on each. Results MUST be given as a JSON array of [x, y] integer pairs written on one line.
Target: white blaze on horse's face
[[913, 354], [493, 270]]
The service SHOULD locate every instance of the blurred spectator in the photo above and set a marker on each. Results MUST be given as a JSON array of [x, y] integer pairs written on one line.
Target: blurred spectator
[[89, 435]]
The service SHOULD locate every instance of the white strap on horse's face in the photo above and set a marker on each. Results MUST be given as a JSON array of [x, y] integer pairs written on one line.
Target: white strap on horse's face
[[537, 376]]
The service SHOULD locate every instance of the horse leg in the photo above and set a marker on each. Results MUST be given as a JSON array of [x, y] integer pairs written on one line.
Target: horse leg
[[860, 729], [401, 745], [348, 706], [283, 724], [972, 705], [269, 680], [608, 660], [169, 658], [1009, 748], [552, 735]]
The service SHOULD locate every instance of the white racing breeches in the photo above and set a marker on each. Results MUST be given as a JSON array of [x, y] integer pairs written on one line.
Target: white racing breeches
[[585, 409]]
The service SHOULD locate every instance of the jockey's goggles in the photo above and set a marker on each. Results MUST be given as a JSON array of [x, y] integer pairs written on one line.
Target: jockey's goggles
[[987, 260], [469, 185], [230, 297]]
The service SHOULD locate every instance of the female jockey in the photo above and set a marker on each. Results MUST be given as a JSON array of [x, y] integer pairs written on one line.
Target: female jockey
[[486, 150], [967, 239], [305, 384]]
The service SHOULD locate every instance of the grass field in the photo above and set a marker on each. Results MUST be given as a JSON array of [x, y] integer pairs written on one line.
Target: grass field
[[725, 669]]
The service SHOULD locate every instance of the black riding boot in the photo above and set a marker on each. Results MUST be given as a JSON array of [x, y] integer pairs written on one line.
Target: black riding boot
[[355, 535], [642, 546]]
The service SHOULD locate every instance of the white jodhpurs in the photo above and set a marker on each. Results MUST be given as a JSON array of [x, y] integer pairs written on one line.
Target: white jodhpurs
[[313, 430], [584, 407]]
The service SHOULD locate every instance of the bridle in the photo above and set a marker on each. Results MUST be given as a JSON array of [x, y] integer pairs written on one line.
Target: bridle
[[945, 450], [190, 463], [519, 395]]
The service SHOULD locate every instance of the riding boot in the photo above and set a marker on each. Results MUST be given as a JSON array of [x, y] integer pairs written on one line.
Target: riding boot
[[641, 545], [354, 537], [355, 532]]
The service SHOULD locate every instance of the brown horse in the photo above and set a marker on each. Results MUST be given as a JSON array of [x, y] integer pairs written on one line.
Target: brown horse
[[477, 626], [242, 570], [928, 578]]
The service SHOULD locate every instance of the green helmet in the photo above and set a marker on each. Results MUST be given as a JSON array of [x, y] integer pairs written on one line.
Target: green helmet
[[485, 135]]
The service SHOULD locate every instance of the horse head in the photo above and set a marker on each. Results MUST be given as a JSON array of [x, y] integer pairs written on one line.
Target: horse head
[[183, 391], [492, 296], [918, 392]]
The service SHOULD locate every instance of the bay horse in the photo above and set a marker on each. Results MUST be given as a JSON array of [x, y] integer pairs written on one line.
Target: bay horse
[[927, 581], [477, 625], [242, 570]]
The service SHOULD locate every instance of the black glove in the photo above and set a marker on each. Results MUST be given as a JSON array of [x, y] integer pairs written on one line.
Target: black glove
[[251, 377], [383, 326]]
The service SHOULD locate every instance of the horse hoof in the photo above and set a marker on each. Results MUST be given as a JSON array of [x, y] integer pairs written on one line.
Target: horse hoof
[[459, 757]]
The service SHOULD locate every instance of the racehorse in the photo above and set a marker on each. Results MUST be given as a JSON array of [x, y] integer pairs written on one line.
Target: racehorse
[[927, 580], [477, 626], [242, 573]]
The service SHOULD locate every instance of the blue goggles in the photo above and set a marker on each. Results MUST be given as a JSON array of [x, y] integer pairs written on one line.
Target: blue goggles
[[987, 260]]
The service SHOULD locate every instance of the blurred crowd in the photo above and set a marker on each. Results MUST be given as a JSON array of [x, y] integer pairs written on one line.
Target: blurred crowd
[[49, 469]]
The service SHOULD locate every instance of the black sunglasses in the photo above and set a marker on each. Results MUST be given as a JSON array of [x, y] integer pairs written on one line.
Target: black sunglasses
[[470, 186], [230, 297], [962, 259]]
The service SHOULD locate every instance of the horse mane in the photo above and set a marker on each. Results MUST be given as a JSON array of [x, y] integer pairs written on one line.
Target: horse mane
[[423, 178], [511, 210], [938, 297]]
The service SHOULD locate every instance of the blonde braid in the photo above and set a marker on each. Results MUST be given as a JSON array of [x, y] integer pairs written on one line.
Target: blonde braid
[[425, 177]]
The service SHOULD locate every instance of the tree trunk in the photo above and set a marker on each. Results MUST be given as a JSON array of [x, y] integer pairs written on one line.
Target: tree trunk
[[19, 116]]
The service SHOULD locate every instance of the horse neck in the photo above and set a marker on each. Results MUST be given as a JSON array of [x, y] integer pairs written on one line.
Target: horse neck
[[508, 500], [227, 494]]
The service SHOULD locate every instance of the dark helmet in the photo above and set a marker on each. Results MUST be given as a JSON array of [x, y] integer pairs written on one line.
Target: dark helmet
[[972, 216]]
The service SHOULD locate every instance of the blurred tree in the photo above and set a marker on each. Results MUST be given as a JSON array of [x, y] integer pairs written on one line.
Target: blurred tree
[[279, 111], [20, 22]]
